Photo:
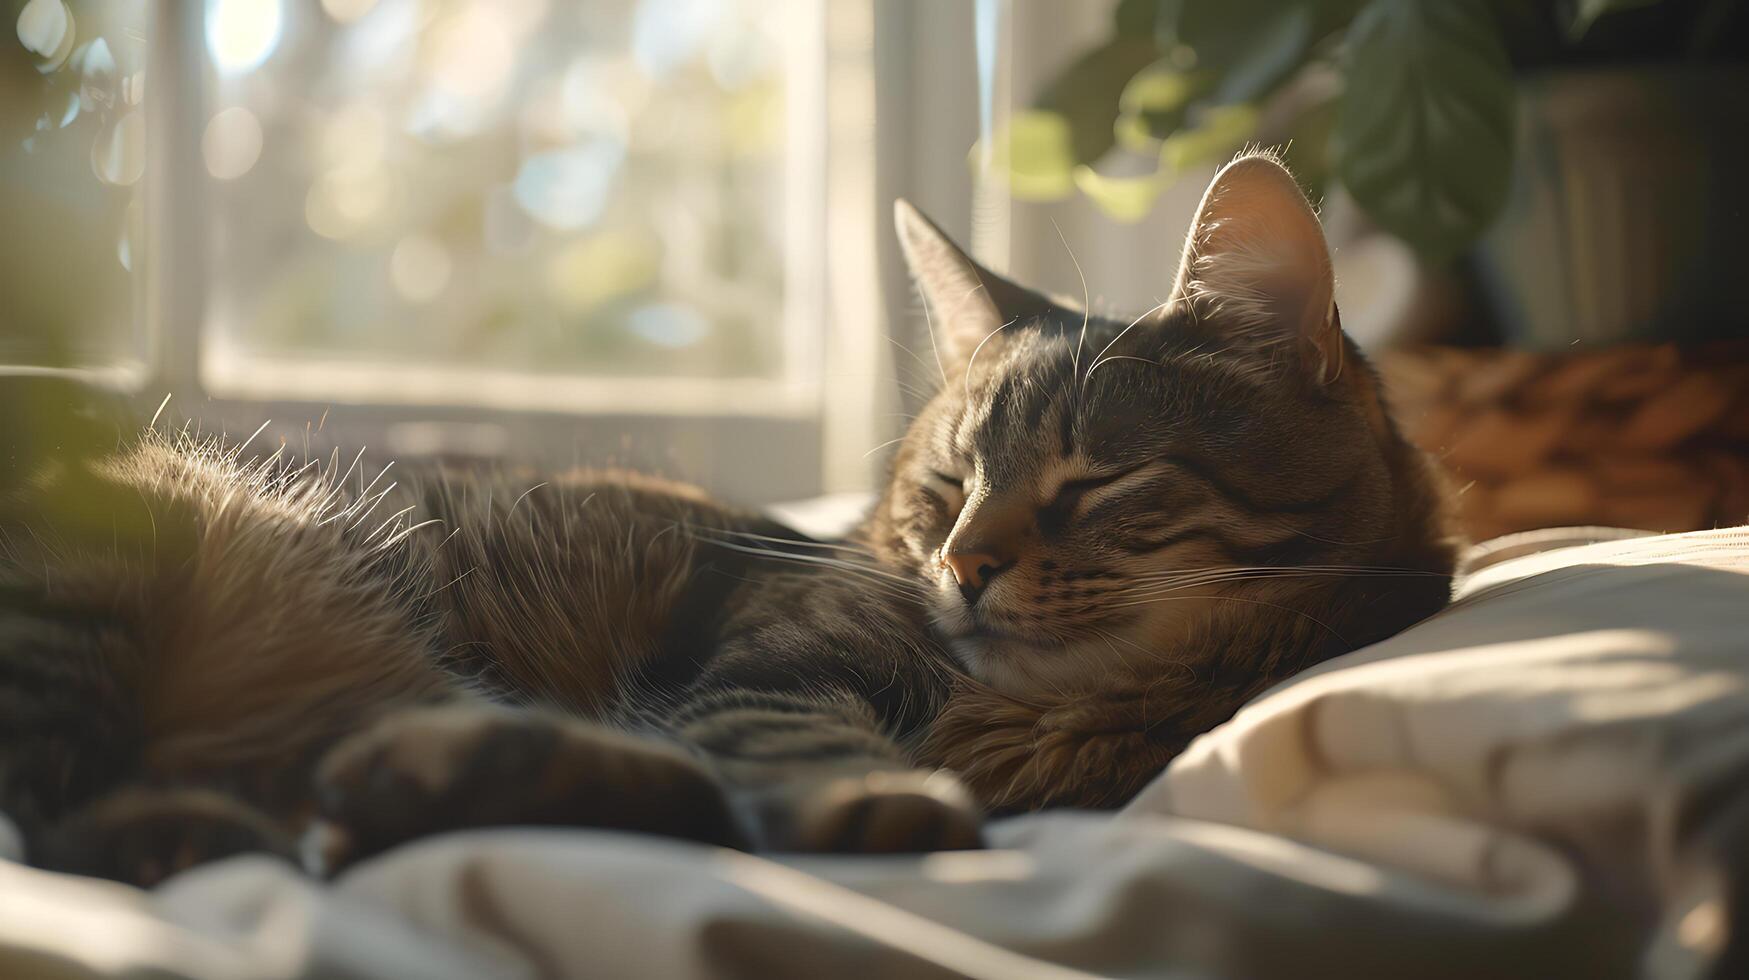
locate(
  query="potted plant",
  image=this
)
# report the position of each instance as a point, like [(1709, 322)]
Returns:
[(1579, 153)]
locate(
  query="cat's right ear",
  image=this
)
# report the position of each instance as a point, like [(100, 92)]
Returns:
[(1256, 269), (967, 303)]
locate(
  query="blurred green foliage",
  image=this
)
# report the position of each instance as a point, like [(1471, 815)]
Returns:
[(71, 242), (54, 429), (1415, 116)]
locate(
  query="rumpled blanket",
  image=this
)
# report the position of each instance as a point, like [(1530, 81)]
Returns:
[(1550, 778)]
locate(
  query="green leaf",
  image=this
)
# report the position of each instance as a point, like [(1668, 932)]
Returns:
[(1271, 48), (1159, 88), (1334, 14), (1073, 122), (1307, 152), (1250, 44), (1125, 199), (1140, 133), (1086, 94), (1036, 153), (1589, 11), (1152, 104), (1134, 18), (1220, 131), (1423, 137)]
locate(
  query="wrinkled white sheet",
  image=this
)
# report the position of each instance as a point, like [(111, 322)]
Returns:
[(1536, 782)]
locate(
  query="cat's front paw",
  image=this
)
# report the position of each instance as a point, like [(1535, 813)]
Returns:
[(879, 813), (142, 836), (430, 770), (1091, 751)]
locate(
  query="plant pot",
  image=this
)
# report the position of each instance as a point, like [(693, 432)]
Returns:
[(1628, 218)]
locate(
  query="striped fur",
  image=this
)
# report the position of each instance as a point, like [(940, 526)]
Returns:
[(202, 649)]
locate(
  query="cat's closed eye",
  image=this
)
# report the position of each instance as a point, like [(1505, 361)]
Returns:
[(1071, 493), (950, 489)]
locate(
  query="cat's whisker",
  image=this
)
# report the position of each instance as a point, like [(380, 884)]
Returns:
[(967, 377), (871, 575), (1209, 581), (1100, 357), (1334, 569), (1141, 592), (934, 345), (913, 354), (795, 542), (1123, 357), (1086, 304), (915, 392), (889, 442), (1258, 602)]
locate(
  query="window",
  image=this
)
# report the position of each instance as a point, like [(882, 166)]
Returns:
[(608, 229), (72, 85), (501, 197)]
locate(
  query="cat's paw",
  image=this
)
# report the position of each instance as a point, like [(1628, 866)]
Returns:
[(881, 813), (142, 836), (1094, 751), (430, 770)]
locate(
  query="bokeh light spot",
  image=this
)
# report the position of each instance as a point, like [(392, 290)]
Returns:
[(71, 112), (345, 202), (347, 11), (241, 34), (592, 270), (467, 66), (419, 268), (45, 28), (567, 189), (232, 143), (118, 156), (97, 82), (668, 33), (505, 227), (355, 138), (133, 232), (668, 324)]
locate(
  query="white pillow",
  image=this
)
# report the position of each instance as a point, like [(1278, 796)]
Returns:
[(1537, 739)]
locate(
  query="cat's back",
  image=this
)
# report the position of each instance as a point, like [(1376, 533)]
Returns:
[(226, 610)]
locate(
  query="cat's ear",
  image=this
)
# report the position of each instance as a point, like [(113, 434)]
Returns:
[(1256, 268), (967, 302)]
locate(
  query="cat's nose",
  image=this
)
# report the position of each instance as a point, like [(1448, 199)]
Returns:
[(973, 570)]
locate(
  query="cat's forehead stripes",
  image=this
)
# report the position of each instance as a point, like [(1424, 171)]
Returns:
[(1023, 423)]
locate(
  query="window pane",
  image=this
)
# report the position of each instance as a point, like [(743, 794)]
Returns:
[(566, 188), (72, 158)]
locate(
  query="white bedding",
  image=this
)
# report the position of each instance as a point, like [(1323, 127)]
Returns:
[(1533, 783)]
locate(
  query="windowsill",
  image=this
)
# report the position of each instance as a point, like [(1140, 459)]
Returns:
[(377, 383)]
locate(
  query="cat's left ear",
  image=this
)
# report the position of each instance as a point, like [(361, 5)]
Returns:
[(1256, 269), (968, 304)]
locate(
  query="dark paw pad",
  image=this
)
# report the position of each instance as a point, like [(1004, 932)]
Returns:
[(432, 770), (887, 813), (141, 837)]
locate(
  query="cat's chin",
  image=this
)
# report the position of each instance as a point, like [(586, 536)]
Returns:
[(985, 659), (1014, 661), (1013, 664)]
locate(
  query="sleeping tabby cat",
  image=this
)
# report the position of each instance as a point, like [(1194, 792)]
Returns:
[(1099, 538)]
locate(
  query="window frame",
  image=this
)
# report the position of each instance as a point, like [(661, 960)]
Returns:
[(750, 440)]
